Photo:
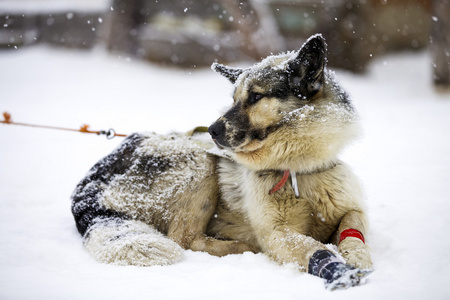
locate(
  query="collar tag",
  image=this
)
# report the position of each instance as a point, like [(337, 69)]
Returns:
[(294, 184)]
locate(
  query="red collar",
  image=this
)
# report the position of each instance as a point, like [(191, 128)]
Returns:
[(280, 183), (283, 180)]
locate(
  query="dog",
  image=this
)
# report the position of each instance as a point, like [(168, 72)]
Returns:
[(156, 195)]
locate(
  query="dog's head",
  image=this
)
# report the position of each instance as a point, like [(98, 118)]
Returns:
[(288, 113)]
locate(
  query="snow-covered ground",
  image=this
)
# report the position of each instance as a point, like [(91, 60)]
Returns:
[(403, 160)]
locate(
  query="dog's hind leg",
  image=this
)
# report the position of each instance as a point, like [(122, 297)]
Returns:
[(351, 243), (188, 230), (193, 211), (220, 247)]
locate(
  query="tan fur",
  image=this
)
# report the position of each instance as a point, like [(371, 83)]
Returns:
[(312, 137), (289, 230), (262, 114), (307, 140)]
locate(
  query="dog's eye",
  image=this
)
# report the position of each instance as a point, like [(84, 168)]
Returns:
[(254, 97)]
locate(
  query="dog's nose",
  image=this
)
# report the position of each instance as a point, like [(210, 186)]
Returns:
[(216, 129)]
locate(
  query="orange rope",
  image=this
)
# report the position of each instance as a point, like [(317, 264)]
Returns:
[(84, 129)]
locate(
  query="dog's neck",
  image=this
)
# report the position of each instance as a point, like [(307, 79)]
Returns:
[(314, 170), (293, 175)]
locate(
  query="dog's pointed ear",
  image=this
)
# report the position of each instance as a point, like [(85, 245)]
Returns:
[(231, 73), (306, 71)]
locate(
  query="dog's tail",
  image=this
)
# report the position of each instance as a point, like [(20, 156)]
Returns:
[(111, 236)]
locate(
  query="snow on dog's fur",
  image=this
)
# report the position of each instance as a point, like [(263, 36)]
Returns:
[(158, 194)]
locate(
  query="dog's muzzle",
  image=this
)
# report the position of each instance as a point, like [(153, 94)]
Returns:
[(217, 132)]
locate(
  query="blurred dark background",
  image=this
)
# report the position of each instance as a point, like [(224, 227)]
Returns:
[(195, 33)]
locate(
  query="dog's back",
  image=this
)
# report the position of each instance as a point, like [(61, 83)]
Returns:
[(129, 199)]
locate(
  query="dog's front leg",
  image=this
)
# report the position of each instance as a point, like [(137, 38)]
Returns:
[(351, 240), (289, 246), (285, 245)]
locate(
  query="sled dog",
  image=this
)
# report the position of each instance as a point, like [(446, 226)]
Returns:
[(266, 179)]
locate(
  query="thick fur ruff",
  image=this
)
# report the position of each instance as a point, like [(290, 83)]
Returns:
[(158, 194)]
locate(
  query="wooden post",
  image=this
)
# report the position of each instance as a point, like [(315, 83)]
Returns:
[(257, 26), (440, 43), (125, 18)]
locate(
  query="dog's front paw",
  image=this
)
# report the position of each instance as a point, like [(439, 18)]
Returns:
[(346, 276), (132, 243), (337, 274), (355, 253)]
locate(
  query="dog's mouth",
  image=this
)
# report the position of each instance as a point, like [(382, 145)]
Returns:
[(218, 144), (224, 147), (248, 146), (238, 140)]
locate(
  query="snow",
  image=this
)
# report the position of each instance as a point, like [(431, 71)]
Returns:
[(403, 160)]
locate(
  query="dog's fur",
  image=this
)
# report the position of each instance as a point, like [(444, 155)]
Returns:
[(158, 194)]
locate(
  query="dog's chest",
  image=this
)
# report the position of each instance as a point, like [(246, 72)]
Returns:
[(247, 192), (280, 208), (316, 212)]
